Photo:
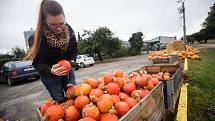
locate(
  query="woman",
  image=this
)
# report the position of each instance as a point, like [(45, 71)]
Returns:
[(54, 40)]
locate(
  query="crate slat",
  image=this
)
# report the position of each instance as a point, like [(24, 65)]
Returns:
[(171, 60), (172, 87), (150, 108)]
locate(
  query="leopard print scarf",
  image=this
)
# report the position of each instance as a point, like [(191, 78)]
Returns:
[(60, 40)]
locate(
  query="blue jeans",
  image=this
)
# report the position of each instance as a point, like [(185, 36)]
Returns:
[(57, 85)]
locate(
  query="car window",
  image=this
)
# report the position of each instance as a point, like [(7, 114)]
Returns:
[(6, 66), (23, 63), (78, 57), (84, 56)]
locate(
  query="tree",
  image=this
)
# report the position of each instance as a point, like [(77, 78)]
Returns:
[(136, 42), (99, 42), (100, 38), (210, 20), (112, 46), (208, 30), (18, 52), (85, 46), (7, 55)]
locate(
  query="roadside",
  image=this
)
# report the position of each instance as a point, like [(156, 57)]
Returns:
[(201, 88)]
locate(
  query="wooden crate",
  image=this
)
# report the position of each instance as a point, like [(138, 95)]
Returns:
[(172, 87), (150, 108), (171, 60)]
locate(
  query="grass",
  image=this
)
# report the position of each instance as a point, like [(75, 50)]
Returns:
[(201, 89), (211, 41)]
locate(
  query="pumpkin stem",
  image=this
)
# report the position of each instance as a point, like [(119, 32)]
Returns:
[(112, 110), (137, 96), (69, 85)]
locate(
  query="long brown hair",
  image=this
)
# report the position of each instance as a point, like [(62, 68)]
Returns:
[(47, 7)]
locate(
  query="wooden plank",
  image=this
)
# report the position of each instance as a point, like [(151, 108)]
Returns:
[(151, 107), (172, 86)]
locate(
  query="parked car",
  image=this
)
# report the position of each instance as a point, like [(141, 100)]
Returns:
[(17, 71), (84, 60)]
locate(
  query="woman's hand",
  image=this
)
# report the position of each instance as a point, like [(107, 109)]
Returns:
[(58, 70)]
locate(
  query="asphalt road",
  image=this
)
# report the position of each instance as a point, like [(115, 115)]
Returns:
[(19, 102)]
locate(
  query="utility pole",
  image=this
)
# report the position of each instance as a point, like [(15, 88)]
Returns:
[(182, 11)]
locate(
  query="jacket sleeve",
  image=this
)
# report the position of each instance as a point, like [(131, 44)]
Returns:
[(40, 62), (74, 47)]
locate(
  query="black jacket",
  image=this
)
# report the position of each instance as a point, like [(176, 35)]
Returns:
[(48, 55)]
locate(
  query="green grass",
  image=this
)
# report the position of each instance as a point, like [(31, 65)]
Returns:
[(211, 41), (201, 89)]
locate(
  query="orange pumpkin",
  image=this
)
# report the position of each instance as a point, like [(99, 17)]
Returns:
[(108, 78), (82, 89), (115, 98), (118, 73), (113, 88), (120, 81), (92, 82), (122, 108), (155, 81), (105, 103), (81, 101), (66, 64), (129, 87), (87, 119), (54, 113), (46, 105), (92, 111), (150, 85), (123, 96), (72, 114), (109, 117), (95, 93), (131, 101), (70, 92)]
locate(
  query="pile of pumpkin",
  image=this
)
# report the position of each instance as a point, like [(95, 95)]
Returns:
[(190, 53), (162, 54), (105, 99)]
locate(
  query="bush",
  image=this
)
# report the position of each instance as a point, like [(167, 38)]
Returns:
[(122, 52), (132, 52)]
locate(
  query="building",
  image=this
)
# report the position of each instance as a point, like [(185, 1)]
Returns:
[(162, 39), (27, 35), (160, 42)]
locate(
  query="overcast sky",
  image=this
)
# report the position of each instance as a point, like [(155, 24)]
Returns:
[(123, 17)]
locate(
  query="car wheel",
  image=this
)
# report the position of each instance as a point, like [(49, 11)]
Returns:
[(82, 65), (91, 64), (9, 81)]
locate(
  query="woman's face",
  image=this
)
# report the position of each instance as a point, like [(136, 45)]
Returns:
[(56, 23)]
